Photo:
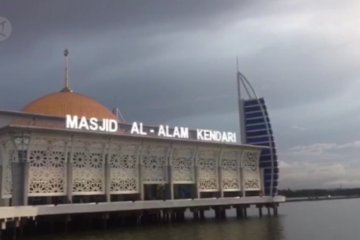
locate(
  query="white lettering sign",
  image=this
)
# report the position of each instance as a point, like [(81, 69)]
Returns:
[(176, 132), (137, 129), (111, 125), (217, 136), (183, 133), (93, 124)]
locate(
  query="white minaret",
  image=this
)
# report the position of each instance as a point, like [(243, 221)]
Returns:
[(240, 105)]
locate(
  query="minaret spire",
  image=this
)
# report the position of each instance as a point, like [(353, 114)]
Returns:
[(67, 87)]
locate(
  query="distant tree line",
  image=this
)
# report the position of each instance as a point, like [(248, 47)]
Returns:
[(314, 193)]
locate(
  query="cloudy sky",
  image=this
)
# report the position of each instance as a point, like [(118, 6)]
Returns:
[(173, 62)]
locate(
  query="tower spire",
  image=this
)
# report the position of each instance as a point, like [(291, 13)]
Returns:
[(67, 87)]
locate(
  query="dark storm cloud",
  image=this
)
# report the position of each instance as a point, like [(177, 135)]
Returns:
[(116, 34), (40, 19), (174, 62)]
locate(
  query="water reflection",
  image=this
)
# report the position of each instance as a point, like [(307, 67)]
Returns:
[(275, 228), (253, 228), (301, 220)]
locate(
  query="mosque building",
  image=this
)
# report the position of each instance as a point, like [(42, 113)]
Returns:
[(67, 148)]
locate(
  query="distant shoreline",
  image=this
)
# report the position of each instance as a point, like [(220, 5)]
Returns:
[(320, 198)]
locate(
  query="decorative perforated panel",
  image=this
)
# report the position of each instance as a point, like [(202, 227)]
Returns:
[(230, 173), (124, 170), (47, 166), (182, 164), (88, 167), (154, 163), (250, 163), (207, 165)]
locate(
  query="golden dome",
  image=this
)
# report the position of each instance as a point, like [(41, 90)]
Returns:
[(66, 102)]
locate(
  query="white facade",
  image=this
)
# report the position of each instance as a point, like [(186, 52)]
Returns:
[(44, 162)]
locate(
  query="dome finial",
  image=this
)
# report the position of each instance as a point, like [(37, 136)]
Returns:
[(67, 87)]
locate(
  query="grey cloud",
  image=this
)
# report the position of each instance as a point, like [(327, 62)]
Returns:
[(174, 62)]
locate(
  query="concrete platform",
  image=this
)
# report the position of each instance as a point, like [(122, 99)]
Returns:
[(11, 213)]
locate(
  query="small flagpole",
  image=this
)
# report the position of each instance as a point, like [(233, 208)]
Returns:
[(66, 80)]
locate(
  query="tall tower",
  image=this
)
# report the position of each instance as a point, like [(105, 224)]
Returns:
[(255, 129)]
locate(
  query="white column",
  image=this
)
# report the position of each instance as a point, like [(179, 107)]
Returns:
[(239, 172), (242, 179), (26, 168), (17, 184), (170, 175), (69, 169), (20, 170), (196, 156), (262, 187), (243, 191), (220, 172), (140, 180), (107, 179)]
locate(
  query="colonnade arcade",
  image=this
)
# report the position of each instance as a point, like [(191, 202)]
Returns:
[(39, 164)]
